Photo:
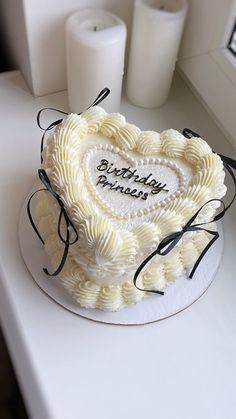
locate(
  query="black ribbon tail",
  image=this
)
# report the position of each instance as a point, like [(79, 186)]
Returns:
[(101, 96), (188, 133), (205, 250), (227, 161), (63, 259), (140, 268), (30, 214), (49, 128), (63, 215)]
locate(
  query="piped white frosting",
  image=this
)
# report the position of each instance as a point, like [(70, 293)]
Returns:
[(99, 270)]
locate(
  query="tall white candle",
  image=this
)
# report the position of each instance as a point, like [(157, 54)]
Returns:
[(156, 34), (95, 47)]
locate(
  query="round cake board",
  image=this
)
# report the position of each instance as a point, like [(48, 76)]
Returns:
[(177, 297)]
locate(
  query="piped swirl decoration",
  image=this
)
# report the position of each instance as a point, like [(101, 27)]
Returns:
[(101, 265)]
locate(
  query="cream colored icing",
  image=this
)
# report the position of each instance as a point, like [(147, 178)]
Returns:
[(127, 136), (195, 149), (155, 279), (100, 266), (173, 143), (168, 221), (130, 294), (149, 143), (114, 297), (82, 209), (210, 161), (148, 236), (108, 246), (87, 294), (76, 123), (112, 124), (94, 117)]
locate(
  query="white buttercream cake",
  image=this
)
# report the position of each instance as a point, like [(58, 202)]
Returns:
[(124, 190)]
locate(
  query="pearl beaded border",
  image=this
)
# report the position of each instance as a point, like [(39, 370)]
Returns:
[(135, 163)]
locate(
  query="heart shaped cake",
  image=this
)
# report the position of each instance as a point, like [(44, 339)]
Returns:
[(124, 191)]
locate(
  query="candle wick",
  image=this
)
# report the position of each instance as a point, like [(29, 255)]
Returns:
[(95, 28)]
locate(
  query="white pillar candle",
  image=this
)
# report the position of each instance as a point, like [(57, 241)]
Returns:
[(156, 34), (95, 47)]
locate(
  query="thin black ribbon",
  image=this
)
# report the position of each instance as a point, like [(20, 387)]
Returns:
[(169, 242), (48, 188), (63, 215), (49, 128), (101, 96)]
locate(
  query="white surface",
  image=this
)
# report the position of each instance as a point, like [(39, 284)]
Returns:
[(68, 367), (177, 297), (94, 58), (155, 41)]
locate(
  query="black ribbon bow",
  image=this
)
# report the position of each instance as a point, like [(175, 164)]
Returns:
[(48, 188), (63, 215), (169, 242), (101, 96)]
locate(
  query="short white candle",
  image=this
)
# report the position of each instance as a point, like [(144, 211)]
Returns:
[(156, 34), (95, 46)]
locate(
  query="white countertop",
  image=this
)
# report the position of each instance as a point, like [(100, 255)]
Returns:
[(69, 367)]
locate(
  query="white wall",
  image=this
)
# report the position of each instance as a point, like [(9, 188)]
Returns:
[(36, 40), (13, 31), (206, 63), (205, 26), (35, 34)]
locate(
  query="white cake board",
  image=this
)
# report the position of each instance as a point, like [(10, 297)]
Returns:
[(178, 296)]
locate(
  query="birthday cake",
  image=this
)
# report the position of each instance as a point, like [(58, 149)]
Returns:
[(124, 190)]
